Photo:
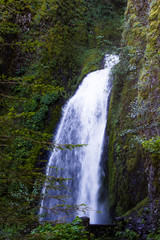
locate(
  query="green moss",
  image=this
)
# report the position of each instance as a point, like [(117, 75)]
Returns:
[(141, 87), (130, 7), (137, 25), (129, 116), (155, 235), (138, 208), (153, 3), (131, 164), (154, 12), (91, 61), (153, 25)]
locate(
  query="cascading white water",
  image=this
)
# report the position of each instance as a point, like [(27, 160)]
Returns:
[(83, 122)]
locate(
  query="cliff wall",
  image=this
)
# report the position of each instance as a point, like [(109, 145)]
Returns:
[(133, 124)]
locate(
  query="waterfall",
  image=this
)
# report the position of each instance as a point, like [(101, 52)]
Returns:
[(83, 121)]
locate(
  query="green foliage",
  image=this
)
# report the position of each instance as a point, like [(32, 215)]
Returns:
[(66, 231), (155, 235), (153, 146), (139, 208), (45, 46), (49, 98), (128, 234), (62, 37), (107, 22), (40, 105), (133, 123)]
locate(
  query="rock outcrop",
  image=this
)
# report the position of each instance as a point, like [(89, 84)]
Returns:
[(134, 143)]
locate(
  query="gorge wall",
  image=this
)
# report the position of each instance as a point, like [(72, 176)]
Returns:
[(134, 143)]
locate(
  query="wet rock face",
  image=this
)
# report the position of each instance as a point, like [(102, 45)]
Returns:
[(153, 191), (135, 110), (144, 35), (151, 188)]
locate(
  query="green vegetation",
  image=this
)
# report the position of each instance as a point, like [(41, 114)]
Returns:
[(46, 48), (128, 234), (66, 231), (138, 208), (133, 124), (154, 236)]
